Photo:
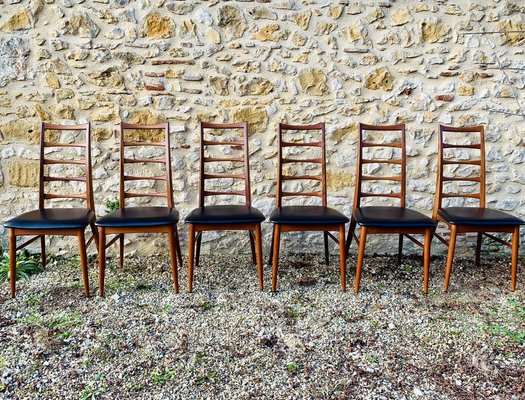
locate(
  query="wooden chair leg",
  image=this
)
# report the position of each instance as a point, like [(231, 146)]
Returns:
[(258, 245), (450, 256), (515, 247), (191, 250), (12, 261), (83, 260), (270, 258), (326, 251), (173, 256), (252, 246), (478, 249), (43, 250), (101, 259), (360, 256), (275, 261), (351, 230), (400, 249), (121, 250), (95, 233), (198, 255), (177, 243), (429, 233), (342, 256)]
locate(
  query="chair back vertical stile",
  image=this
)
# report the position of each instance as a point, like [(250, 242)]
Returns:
[(386, 219), (224, 217), (470, 218), (142, 219), (305, 218), (55, 220)]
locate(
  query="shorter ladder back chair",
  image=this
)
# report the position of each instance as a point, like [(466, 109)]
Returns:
[(470, 219), (386, 219), (58, 221), (141, 219), (307, 217), (224, 217)]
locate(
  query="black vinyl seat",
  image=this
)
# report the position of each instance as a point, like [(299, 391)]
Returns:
[(311, 215), (139, 217), (225, 214), (477, 216), (392, 217), (52, 218)]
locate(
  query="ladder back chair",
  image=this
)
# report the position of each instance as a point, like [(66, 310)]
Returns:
[(469, 219), (141, 219), (58, 221), (386, 219), (306, 217), (224, 217)]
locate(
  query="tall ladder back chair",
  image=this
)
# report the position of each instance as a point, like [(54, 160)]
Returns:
[(386, 219), (224, 217), (57, 221), (467, 219), (141, 219), (307, 217)]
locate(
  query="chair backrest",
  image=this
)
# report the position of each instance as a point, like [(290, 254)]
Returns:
[(366, 141), (84, 163), (206, 159), (464, 143), (285, 159), (163, 160)]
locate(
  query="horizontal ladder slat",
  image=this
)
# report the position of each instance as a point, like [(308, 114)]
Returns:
[(223, 176), (462, 162), (461, 146), (129, 194), (381, 178), (144, 160), (301, 144), (393, 195), (382, 161), (295, 177), (470, 195), (214, 193), (225, 143), (319, 194), (302, 160), (58, 144), (66, 162), (143, 178), (370, 144), (64, 179), (232, 159), (450, 178), (158, 144), (64, 196), (55, 127)]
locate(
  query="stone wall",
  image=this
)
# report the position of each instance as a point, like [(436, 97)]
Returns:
[(342, 62)]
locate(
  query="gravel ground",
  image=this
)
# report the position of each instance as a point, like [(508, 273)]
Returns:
[(228, 340)]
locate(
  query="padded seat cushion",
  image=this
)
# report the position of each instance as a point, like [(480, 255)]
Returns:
[(139, 217), (225, 214), (52, 218), (307, 215), (478, 216), (392, 217)]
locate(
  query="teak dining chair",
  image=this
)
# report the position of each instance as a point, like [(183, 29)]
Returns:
[(224, 217), (142, 219), (386, 219), (308, 217), (466, 219), (57, 221)]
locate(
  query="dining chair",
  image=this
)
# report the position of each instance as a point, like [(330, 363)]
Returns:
[(220, 217), (54, 220), (293, 218), (385, 219), (469, 219), (141, 219)]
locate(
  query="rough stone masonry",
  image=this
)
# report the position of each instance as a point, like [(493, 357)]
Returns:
[(341, 62)]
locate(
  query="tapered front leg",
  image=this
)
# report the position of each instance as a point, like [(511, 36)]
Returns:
[(450, 256), (101, 260), (342, 256), (191, 250), (12, 261), (275, 261)]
